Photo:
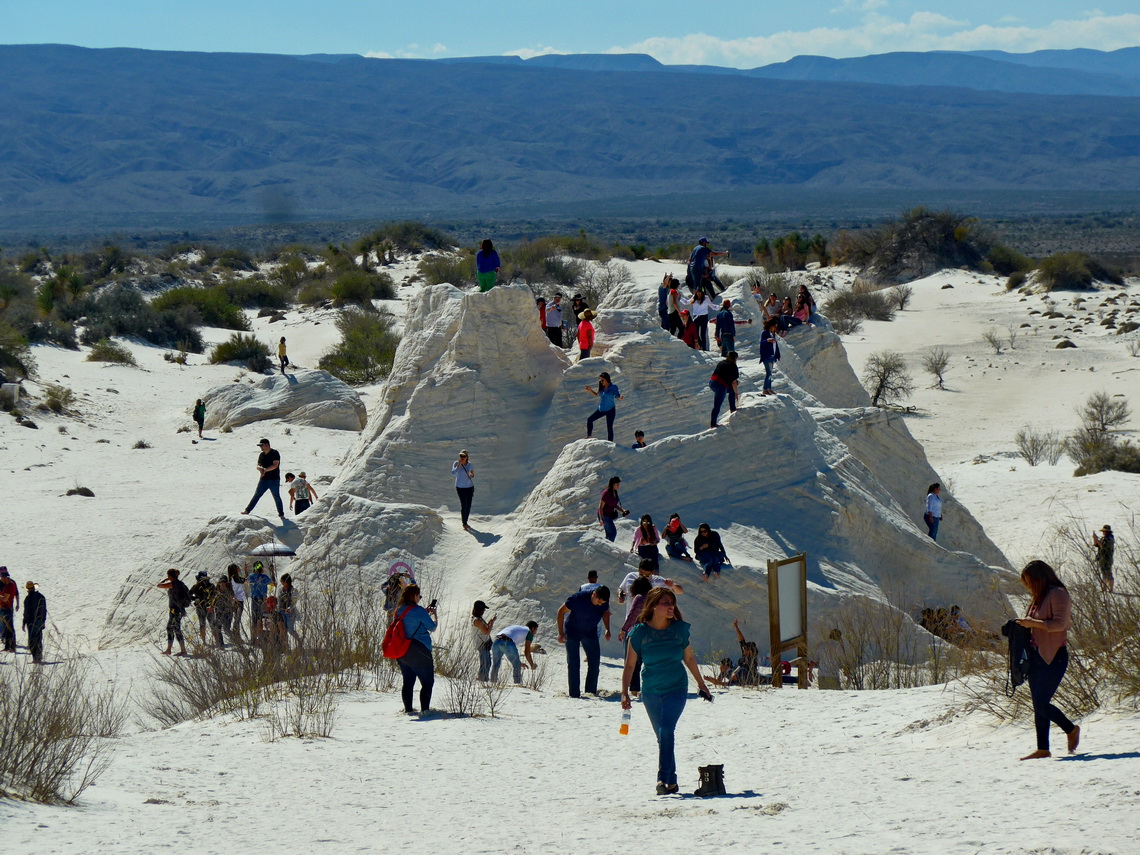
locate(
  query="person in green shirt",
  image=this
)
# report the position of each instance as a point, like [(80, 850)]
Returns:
[(660, 640)]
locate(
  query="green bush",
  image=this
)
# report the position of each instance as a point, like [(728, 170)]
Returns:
[(121, 311), (314, 293), (58, 398), (407, 236), (452, 269), (1007, 261), (245, 349), (1074, 271), (922, 242), (849, 306), (235, 259), (106, 350), (15, 355), (366, 349), (212, 305), (362, 288), (1015, 280), (256, 293), (1095, 451)]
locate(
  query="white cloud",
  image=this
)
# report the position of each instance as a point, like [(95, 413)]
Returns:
[(923, 31), (437, 48), (530, 53)]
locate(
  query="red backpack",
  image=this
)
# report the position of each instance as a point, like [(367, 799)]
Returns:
[(396, 641)]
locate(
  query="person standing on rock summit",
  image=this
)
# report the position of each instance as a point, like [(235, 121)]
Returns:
[(269, 465), (464, 485), (608, 395), (487, 264)]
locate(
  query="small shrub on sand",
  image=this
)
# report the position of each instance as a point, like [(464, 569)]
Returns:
[(247, 350), (366, 349), (58, 398), (106, 350), (886, 378)]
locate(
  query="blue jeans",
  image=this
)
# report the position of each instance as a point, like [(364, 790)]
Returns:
[(664, 315), (664, 713), (719, 390), (505, 647), (769, 366), (593, 649), (610, 527), (609, 414), (1043, 682), (484, 662), (680, 551), (932, 527), (274, 487), (727, 344)]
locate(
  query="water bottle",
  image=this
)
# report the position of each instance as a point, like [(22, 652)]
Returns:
[(624, 729)]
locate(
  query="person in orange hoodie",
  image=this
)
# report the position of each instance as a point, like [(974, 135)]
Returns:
[(586, 334)]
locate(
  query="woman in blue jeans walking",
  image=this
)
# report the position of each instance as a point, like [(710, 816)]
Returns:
[(769, 352), (607, 395), (1049, 616), (660, 641)]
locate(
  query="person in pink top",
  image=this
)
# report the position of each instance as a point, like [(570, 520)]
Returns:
[(585, 334), (1049, 616)]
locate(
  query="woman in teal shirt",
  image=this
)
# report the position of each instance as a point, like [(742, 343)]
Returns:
[(660, 640)]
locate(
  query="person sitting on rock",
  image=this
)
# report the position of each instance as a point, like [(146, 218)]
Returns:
[(675, 544)]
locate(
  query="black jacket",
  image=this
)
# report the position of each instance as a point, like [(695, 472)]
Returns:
[(35, 611)]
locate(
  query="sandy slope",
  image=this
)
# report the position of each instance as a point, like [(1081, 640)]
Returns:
[(810, 771)]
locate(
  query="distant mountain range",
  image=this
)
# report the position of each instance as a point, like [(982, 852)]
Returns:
[(126, 136)]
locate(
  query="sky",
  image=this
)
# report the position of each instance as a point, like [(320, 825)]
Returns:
[(738, 33)]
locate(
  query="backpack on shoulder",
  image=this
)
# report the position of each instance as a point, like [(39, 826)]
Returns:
[(182, 598), (396, 642)]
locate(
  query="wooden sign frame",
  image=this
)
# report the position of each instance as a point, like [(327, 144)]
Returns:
[(799, 642)]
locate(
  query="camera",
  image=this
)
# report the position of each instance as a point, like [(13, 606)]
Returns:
[(433, 604)]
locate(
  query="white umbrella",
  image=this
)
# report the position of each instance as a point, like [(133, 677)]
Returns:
[(277, 549)]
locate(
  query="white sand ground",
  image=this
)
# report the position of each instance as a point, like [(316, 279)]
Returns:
[(808, 771)]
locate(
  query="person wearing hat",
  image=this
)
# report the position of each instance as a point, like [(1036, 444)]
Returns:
[(202, 594), (482, 628), (585, 334), (700, 267), (9, 605), (1105, 546), (178, 598), (464, 485), (725, 332), (269, 466), (35, 619)]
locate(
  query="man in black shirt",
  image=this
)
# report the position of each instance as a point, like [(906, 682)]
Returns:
[(723, 382), (269, 465), (35, 619)]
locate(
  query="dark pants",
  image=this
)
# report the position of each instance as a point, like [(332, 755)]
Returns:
[(301, 505), (273, 486), (609, 414), (719, 390), (555, 335), (284, 362), (664, 315), (36, 641), (174, 626), (583, 354), (465, 496), (702, 322), (1043, 682), (593, 649), (220, 620), (417, 662), (8, 629), (650, 551), (676, 327)]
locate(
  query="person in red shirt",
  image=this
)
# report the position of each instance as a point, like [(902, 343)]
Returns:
[(9, 605), (585, 334), (690, 335)]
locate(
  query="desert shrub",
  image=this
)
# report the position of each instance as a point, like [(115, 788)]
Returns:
[(121, 311), (212, 305), (601, 279), (1074, 271), (1008, 261), (859, 304), (1036, 446), (58, 398), (779, 284), (362, 288), (543, 262), (366, 349), (313, 293), (792, 251), (305, 706), (457, 270), (886, 378), (57, 726), (52, 331), (1015, 280), (234, 259), (106, 350), (918, 244), (900, 295), (253, 292), (1102, 454), (1102, 412), (994, 339), (141, 445), (247, 350), (15, 355), (290, 273), (407, 236), (844, 325), (935, 362)]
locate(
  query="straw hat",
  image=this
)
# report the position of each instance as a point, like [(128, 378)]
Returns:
[(587, 315)]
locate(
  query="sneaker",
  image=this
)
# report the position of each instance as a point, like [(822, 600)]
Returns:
[(661, 789)]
